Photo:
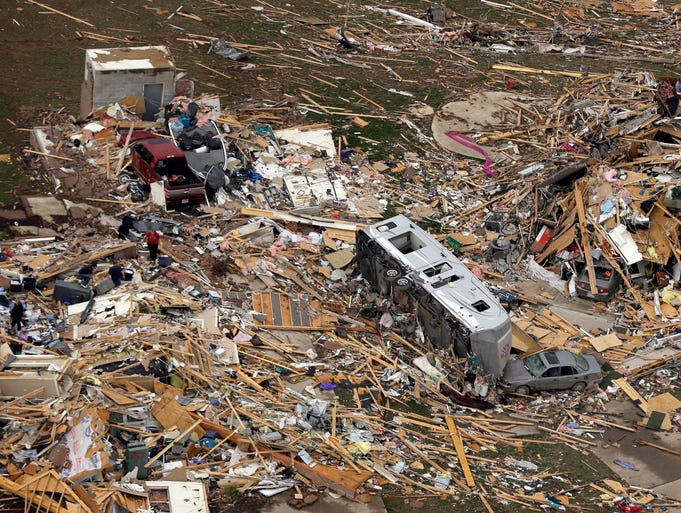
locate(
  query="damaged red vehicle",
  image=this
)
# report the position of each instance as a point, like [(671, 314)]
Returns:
[(156, 159)]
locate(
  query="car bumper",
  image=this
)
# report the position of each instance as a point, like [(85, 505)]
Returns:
[(586, 294)]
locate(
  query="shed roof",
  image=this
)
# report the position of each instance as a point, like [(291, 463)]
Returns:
[(138, 58)]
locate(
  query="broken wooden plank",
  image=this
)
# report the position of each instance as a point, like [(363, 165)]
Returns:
[(278, 215), (660, 447), (62, 13), (632, 393), (586, 244), (460, 451)]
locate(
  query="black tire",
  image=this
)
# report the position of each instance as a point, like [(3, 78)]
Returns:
[(124, 178), (403, 283), (580, 386), (523, 390), (391, 274)]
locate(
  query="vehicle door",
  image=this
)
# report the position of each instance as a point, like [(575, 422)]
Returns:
[(137, 161), (549, 379), (569, 375), (144, 163)]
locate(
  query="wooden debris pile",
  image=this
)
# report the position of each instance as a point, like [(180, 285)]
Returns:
[(266, 390), (253, 359)]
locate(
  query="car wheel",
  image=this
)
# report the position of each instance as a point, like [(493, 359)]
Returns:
[(403, 283), (391, 273), (124, 178), (523, 390), (579, 387)]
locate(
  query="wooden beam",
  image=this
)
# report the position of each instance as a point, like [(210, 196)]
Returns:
[(660, 447), (523, 69), (47, 155), (568, 437), (88, 257), (71, 502), (52, 9), (632, 393), (579, 201), (460, 451), (121, 158), (277, 215)]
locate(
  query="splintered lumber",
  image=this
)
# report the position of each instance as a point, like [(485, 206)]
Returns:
[(15, 340), (660, 447), (552, 319), (487, 505), (29, 395), (343, 482), (43, 154), (345, 455), (603, 490), (213, 70), (170, 413), (121, 157), (277, 215), (586, 245), (83, 259), (602, 422), (34, 491), (632, 393), (460, 451), (577, 74), (52, 9), (571, 438)]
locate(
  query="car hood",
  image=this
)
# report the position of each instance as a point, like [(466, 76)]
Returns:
[(515, 372)]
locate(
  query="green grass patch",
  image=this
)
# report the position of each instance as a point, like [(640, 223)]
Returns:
[(10, 178)]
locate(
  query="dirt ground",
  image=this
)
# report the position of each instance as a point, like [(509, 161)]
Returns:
[(294, 58)]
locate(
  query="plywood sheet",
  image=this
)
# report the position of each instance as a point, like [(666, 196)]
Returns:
[(654, 242), (282, 310), (664, 402), (340, 259), (171, 415), (523, 341), (604, 342)]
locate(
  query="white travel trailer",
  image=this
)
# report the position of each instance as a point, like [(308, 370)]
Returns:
[(453, 307)]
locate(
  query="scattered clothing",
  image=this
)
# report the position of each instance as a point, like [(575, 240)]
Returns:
[(626, 464)]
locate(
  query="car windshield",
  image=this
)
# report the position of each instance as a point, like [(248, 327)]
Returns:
[(581, 362), (535, 365)]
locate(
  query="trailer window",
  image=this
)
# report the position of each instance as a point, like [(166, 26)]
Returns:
[(438, 269), (407, 242), (480, 306), (450, 279)]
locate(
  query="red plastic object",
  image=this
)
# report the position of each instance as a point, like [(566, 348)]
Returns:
[(627, 508)]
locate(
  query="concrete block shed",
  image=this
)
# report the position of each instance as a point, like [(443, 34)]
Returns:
[(114, 74)]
